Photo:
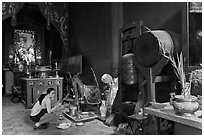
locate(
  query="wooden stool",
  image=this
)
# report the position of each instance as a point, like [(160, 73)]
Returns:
[(137, 123)]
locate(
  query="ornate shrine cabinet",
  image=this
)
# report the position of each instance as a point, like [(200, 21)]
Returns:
[(33, 87)]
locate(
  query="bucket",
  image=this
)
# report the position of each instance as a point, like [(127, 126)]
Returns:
[(149, 46)]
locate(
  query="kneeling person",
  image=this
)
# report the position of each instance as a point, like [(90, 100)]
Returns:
[(41, 113)]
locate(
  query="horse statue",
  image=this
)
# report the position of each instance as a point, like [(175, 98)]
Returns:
[(88, 93)]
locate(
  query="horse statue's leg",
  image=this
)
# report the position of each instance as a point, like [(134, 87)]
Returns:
[(74, 84), (80, 86)]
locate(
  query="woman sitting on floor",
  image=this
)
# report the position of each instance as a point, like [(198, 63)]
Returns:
[(41, 113)]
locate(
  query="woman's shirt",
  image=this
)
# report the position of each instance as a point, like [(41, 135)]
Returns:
[(37, 107)]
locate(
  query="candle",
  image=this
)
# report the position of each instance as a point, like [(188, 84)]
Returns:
[(56, 65)]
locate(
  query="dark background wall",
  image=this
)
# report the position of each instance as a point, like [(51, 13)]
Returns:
[(156, 15), (90, 33), (90, 27)]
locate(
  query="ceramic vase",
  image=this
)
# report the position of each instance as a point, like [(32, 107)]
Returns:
[(184, 105), (103, 108)]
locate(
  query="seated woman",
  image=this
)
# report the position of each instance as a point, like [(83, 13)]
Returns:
[(41, 113)]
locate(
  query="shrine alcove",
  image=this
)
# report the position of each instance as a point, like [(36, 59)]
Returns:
[(30, 18)]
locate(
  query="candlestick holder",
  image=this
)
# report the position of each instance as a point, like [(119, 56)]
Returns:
[(56, 75), (56, 72)]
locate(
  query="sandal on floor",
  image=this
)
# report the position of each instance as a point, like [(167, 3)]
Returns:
[(45, 125), (36, 127), (42, 126)]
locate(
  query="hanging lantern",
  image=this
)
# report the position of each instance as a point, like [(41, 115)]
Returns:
[(13, 11), (48, 20), (13, 19)]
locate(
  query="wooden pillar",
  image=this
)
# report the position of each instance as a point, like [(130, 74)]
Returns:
[(116, 25), (185, 33), (66, 53), (150, 86)]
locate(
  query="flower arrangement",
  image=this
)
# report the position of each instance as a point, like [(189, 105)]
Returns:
[(196, 77), (179, 71), (184, 104)]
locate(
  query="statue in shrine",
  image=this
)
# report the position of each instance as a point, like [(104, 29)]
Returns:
[(26, 51), (22, 52)]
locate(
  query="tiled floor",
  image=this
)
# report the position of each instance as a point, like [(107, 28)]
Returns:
[(16, 121)]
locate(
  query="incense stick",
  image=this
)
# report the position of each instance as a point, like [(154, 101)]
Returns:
[(64, 98)]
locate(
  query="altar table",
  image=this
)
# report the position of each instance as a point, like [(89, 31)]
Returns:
[(32, 88), (184, 125)]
